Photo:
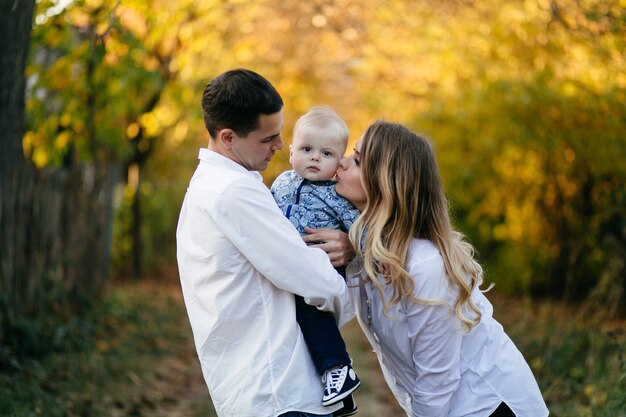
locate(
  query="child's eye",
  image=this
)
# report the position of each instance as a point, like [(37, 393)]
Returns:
[(306, 149), (357, 162), (328, 153)]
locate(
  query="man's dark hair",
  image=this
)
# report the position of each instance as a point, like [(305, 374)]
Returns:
[(235, 100)]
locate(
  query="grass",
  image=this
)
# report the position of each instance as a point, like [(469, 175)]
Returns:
[(577, 352), (134, 356), (115, 364)]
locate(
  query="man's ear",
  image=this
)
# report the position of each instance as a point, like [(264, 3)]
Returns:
[(226, 137)]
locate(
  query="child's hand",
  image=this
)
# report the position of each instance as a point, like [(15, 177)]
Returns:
[(335, 243)]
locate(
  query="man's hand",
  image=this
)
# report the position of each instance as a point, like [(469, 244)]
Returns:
[(335, 243)]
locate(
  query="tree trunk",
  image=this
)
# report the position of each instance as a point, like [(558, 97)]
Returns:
[(15, 27), (55, 223), (16, 175), (137, 226)]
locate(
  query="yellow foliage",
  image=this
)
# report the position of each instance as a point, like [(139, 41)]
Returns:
[(180, 131), (65, 120), (115, 50), (466, 69), (29, 142), (146, 188), (319, 20), (94, 4), (53, 40), (62, 140), (500, 232), (79, 126), (244, 53), (132, 20), (102, 27), (150, 123), (40, 157), (132, 130), (595, 396), (79, 17), (155, 121), (568, 187)]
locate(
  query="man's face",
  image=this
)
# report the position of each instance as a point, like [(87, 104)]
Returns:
[(255, 150)]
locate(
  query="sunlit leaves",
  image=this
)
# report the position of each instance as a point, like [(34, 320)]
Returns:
[(524, 100)]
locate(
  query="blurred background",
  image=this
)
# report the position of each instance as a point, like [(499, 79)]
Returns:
[(524, 100)]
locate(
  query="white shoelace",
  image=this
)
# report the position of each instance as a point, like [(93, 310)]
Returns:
[(336, 378)]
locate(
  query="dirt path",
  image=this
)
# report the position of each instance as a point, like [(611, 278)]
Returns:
[(180, 381), (373, 398), (178, 390), (184, 394)]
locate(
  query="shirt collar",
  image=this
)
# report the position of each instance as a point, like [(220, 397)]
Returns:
[(214, 158)]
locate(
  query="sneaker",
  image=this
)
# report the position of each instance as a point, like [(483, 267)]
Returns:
[(349, 407), (340, 382)]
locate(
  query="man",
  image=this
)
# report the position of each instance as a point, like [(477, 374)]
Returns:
[(240, 262)]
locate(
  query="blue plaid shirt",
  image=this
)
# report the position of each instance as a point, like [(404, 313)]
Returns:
[(313, 204)]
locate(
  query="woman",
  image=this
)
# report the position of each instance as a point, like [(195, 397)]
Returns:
[(415, 285)]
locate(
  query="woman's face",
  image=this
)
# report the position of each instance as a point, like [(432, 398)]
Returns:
[(349, 178)]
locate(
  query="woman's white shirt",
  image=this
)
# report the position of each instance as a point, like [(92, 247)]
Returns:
[(431, 363)]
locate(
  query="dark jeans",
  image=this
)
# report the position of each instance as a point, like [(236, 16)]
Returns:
[(503, 410), (322, 336)]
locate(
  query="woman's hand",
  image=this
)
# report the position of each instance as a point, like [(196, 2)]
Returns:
[(335, 243)]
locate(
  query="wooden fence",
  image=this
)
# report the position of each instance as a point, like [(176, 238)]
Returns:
[(55, 235)]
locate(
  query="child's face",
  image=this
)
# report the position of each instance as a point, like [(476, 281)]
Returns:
[(315, 153)]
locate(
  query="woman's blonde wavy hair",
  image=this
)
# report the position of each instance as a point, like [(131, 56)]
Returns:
[(406, 200)]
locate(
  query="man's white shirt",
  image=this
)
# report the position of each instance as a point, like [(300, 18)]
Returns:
[(240, 262)]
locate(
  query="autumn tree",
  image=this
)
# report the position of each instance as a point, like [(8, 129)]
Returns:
[(53, 220), (99, 73), (523, 101)]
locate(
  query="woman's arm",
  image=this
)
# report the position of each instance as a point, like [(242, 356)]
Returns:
[(436, 353), (435, 335), (335, 243)]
